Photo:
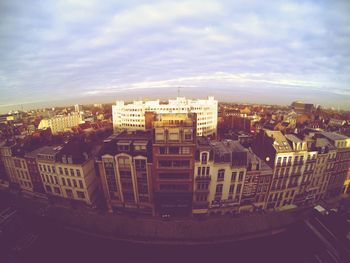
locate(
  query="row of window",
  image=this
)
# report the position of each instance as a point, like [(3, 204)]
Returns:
[(69, 192), (221, 175), (219, 187), (174, 150), (65, 182), (174, 163)]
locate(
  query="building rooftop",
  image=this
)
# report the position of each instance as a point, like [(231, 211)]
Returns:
[(334, 136), (49, 150), (280, 142), (293, 138)]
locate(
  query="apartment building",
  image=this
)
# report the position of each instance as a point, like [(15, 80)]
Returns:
[(61, 123), (324, 164), (173, 163), (292, 163), (132, 116), (68, 172), (220, 172), (256, 184), (341, 164), (126, 173), (6, 152)]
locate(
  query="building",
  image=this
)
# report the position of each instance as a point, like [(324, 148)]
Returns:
[(302, 108), (173, 163), (220, 172), (292, 164), (324, 164), (341, 164), (125, 168), (132, 116), (68, 173), (34, 174), (256, 184), (6, 152), (78, 107), (60, 123)]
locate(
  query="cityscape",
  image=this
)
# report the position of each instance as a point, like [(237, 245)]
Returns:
[(176, 159), (175, 131)]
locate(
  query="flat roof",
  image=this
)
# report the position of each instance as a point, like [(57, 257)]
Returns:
[(334, 136)]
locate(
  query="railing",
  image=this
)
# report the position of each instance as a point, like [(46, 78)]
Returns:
[(203, 178)]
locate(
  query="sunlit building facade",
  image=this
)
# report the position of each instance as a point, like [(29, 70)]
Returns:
[(132, 116)]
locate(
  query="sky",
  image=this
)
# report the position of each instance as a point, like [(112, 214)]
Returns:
[(55, 53)]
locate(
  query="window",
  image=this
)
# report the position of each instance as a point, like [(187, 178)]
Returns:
[(69, 183), (78, 172), (232, 187), (74, 183), (208, 170), (60, 170), (56, 180), (64, 181), (162, 150), (239, 187), (204, 158), (198, 171), (218, 190), (240, 176), (188, 136), (233, 176), (159, 136), (221, 174), (174, 150), (185, 150), (53, 169), (57, 190), (48, 188), (124, 162), (173, 136), (81, 184), (72, 172), (66, 171), (69, 193)]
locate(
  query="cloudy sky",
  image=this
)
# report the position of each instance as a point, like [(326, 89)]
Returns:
[(63, 52)]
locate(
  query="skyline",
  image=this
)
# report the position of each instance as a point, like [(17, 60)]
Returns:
[(246, 51)]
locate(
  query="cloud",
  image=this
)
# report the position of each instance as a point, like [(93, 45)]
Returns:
[(73, 49)]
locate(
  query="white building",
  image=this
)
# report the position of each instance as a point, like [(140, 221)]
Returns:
[(132, 116), (60, 123), (78, 107)]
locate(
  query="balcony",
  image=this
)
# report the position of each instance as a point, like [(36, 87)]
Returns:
[(203, 178), (202, 191)]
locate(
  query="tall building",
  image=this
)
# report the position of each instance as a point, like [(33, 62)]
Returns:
[(60, 123), (125, 168), (173, 163), (132, 116)]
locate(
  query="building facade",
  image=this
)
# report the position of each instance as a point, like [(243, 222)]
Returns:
[(125, 168), (61, 123), (132, 116), (173, 163), (220, 173)]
